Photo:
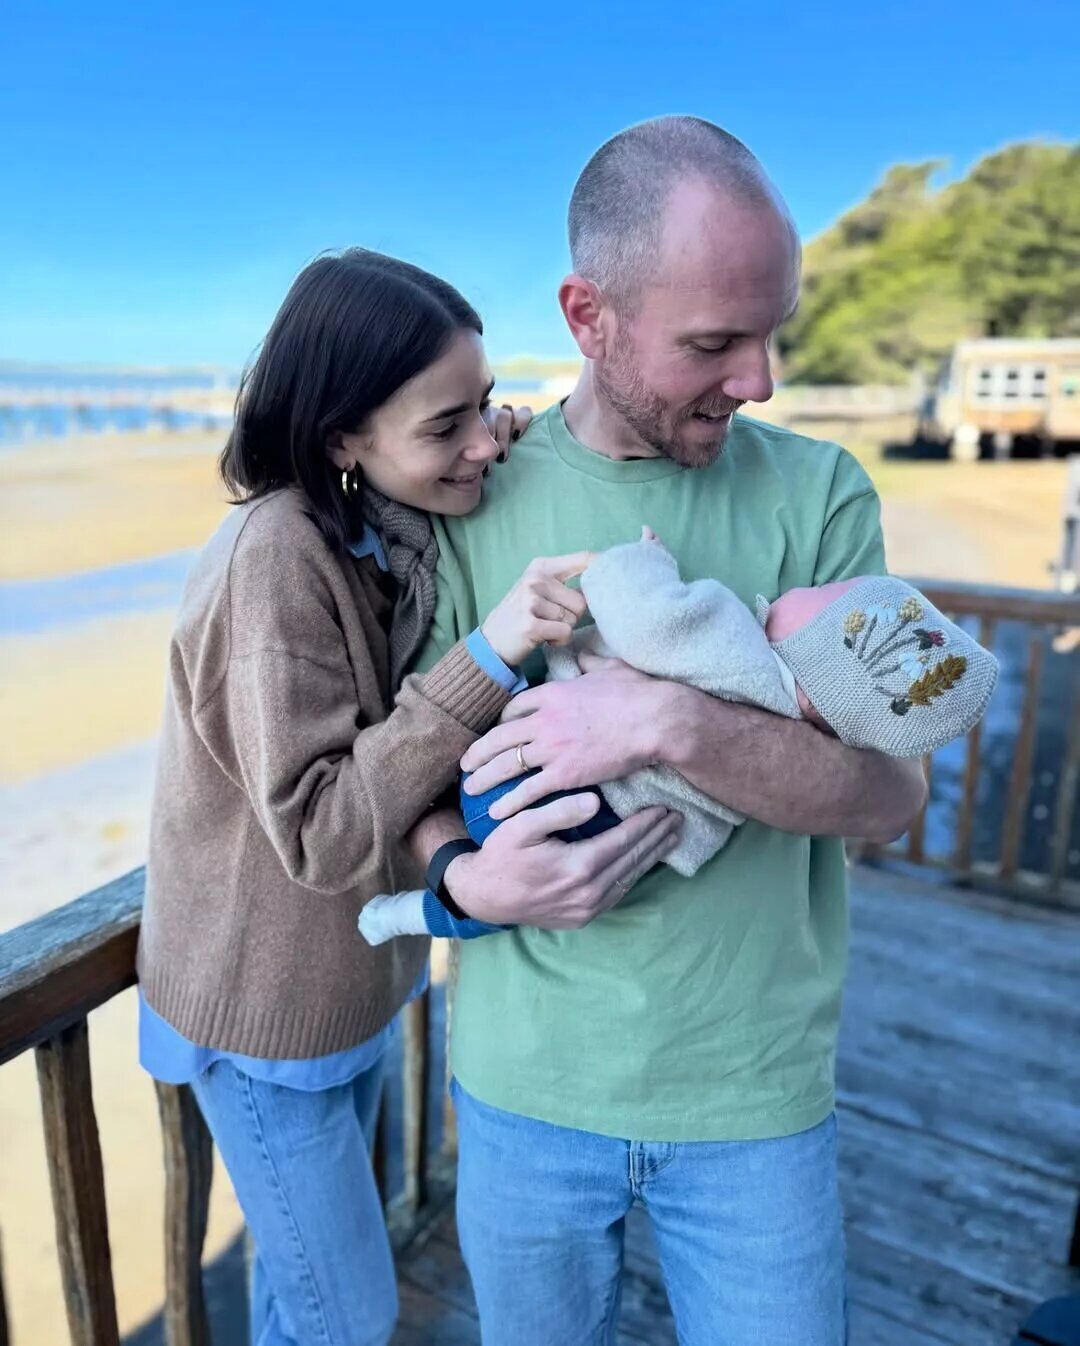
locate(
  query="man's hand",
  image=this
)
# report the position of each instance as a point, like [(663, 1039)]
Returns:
[(598, 727), (524, 876)]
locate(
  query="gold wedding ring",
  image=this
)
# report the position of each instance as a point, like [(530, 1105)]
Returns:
[(521, 759)]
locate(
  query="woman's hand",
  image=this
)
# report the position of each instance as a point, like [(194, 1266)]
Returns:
[(539, 607), (506, 425)]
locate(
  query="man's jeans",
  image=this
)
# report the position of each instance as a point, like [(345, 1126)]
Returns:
[(749, 1232), (300, 1165)]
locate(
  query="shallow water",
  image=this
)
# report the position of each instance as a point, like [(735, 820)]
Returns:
[(28, 607)]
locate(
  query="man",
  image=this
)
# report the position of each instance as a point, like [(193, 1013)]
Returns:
[(679, 1050)]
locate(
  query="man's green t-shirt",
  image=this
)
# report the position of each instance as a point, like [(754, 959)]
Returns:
[(700, 1008)]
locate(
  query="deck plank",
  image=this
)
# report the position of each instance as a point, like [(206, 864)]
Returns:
[(978, 1216), (925, 1296), (872, 1327), (426, 1319), (960, 1020)]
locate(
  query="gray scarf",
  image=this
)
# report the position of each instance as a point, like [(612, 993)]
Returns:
[(408, 541)]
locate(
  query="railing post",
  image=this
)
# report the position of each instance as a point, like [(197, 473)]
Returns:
[(189, 1167), (1066, 801), (449, 1117), (415, 1143), (972, 764), (78, 1187), (917, 830), (1012, 831)]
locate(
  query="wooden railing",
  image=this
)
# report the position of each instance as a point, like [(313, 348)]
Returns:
[(810, 401), (1050, 626), (53, 972)]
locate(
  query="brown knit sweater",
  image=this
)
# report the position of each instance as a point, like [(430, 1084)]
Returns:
[(285, 784)]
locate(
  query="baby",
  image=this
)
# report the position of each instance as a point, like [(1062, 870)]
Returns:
[(869, 660)]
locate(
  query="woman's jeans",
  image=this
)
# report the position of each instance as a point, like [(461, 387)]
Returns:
[(748, 1232), (300, 1165)]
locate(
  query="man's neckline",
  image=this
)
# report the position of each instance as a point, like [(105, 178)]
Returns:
[(579, 456)]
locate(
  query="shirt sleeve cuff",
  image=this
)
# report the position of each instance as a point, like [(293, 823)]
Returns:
[(508, 678)]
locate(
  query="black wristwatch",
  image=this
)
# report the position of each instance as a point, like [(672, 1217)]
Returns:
[(437, 867)]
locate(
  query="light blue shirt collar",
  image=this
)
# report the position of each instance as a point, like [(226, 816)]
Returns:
[(370, 545)]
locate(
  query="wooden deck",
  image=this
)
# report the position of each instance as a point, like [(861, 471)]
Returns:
[(959, 1082)]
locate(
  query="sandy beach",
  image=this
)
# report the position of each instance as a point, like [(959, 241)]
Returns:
[(81, 674)]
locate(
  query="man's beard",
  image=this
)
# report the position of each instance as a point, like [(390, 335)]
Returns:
[(620, 383)]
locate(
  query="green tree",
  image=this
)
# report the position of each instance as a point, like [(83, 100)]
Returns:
[(897, 280)]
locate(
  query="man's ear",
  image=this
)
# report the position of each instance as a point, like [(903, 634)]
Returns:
[(585, 312)]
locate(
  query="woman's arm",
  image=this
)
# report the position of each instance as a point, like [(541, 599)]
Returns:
[(333, 800)]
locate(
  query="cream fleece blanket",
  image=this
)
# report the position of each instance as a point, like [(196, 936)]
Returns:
[(696, 633)]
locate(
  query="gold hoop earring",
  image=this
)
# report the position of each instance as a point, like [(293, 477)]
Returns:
[(350, 483)]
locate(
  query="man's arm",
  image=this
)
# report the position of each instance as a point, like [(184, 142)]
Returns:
[(614, 720), (785, 773)]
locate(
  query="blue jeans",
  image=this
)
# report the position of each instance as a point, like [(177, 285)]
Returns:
[(301, 1168), (749, 1233)]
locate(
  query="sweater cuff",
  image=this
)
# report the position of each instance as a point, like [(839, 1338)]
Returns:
[(493, 665), (460, 687)]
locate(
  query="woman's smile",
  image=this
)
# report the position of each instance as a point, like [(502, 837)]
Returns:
[(466, 483)]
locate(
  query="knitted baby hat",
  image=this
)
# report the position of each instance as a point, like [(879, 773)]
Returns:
[(886, 670)]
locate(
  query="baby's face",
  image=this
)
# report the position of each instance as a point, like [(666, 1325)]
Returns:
[(792, 611)]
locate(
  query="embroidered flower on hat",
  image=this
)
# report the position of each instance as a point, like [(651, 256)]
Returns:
[(934, 682), (901, 648), (853, 624)]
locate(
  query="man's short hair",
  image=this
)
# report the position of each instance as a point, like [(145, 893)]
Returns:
[(617, 207)]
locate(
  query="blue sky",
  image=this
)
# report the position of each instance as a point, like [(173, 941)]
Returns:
[(167, 168)]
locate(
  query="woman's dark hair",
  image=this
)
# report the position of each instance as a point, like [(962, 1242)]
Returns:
[(353, 329)]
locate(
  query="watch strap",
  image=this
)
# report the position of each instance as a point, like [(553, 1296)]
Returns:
[(437, 867)]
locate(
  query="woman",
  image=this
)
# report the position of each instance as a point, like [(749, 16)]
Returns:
[(288, 777)]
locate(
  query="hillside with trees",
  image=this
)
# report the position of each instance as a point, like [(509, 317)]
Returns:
[(896, 281)]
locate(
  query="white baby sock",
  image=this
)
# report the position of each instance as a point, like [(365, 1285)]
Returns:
[(392, 914)]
